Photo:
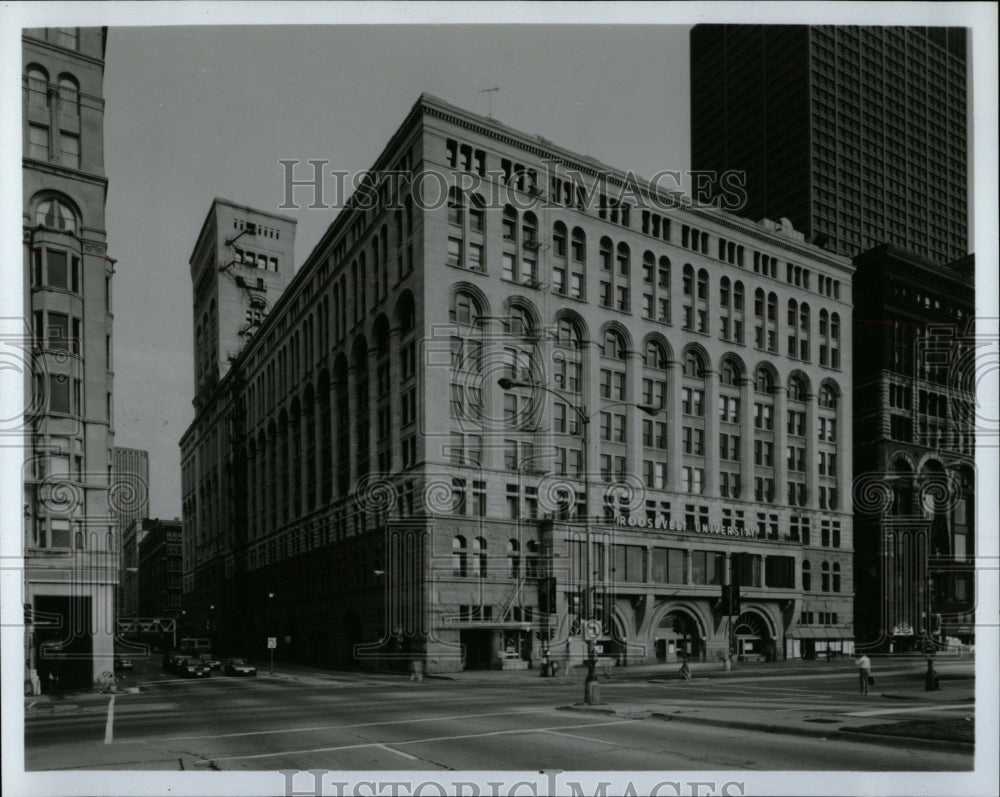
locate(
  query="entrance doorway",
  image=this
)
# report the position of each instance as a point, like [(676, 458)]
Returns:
[(677, 636), (65, 644), (476, 646), (752, 638)]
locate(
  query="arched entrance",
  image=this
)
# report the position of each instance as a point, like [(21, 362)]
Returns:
[(752, 638), (677, 635)]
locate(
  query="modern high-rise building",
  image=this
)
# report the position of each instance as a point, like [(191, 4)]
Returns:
[(914, 444), (857, 135), (506, 405), (71, 564), (131, 475)]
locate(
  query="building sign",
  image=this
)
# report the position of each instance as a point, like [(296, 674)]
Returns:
[(675, 525)]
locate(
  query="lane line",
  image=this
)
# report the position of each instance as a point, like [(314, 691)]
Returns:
[(360, 725), (586, 738), (419, 741), (397, 752), (109, 727), (880, 712)]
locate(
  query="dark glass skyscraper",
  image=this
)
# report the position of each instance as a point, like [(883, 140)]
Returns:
[(857, 135)]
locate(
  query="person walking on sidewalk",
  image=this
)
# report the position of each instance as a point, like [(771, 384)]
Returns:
[(864, 672), (686, 669)]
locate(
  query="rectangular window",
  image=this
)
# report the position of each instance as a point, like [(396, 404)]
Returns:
[(57, 269), (706, 567), (59, 393), (38, 142), (454, 252), (475, 257), (69, 145)]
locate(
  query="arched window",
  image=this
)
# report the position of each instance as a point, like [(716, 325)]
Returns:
[(835, 340), (567, 335), (479, 557), (38, 86), (806, 577), (465, 309), (614, 346), (559, 238), (56, 214), (796, 390), (729, 374), (459, 556), (827, 398), (836, 577), (531, 564), (656, 356), (69, 95), (518, 322), (764, 382), (693, 365), (514, 558)]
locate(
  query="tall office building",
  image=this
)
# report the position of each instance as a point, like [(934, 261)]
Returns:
[(858, 135), (71, 565), (131, 475), (158, 549), (914, 441), (364, 483)]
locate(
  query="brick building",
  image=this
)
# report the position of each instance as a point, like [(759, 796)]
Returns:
[(358, 484), (914, 446), (71, 565)]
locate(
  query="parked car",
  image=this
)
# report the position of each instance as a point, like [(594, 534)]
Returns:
[(210, 660), (194, 668), (239, 667), (171, 659)]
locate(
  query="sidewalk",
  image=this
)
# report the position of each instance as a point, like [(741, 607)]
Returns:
[(820, 723)]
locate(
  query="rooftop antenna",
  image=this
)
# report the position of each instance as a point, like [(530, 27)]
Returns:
[(489, 93)]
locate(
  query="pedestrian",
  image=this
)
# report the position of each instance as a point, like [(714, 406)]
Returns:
[(686, 669), (864, 673)]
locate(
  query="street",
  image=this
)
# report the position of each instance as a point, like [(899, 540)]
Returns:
[(356, 721)]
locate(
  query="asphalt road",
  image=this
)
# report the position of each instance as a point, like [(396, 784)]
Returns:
[(383, 722)]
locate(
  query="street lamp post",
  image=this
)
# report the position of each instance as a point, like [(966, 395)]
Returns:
[(270, 649), (590, 690)]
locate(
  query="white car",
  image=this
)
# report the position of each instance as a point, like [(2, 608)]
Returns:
[(239, 667)]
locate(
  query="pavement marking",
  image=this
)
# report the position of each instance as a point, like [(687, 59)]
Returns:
[(359, 725), (397, 752), (109, 728), (880, 712), (585, 738), (419, 741)]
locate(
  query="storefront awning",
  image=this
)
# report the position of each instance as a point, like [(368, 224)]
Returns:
[(819, 633)]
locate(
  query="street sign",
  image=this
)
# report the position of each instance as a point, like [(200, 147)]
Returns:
[(592, 630), (272, 642)]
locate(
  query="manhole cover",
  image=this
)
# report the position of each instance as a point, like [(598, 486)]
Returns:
[(821, 719)]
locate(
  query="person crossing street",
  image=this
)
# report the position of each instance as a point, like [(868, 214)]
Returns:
[(864, 673)]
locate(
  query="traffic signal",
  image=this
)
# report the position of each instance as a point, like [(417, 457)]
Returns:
[(547, 595)]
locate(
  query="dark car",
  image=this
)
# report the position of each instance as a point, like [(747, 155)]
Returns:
[(171, 659), (239, 667), (210, 660), (194, 668)]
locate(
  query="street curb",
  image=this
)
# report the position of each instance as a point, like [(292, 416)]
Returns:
[(845, 733)]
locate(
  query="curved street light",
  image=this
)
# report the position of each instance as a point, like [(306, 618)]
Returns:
[(505, 383)]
